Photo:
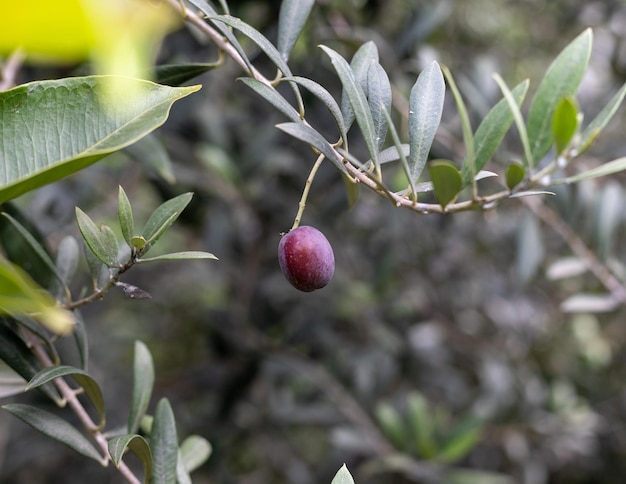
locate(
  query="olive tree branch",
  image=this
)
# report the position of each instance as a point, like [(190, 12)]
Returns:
[(483, 203), (70, 397)]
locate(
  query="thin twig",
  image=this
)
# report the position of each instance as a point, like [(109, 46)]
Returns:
[(100, 292), (578, 246)]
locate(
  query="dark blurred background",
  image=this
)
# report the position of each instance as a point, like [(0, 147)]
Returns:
[(460, 312)]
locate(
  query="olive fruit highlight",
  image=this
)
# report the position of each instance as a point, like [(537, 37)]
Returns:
[(306, 258)]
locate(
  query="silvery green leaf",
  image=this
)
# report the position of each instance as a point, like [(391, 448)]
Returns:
[(291, 19), (164, 444), (360, 64), (54, 427), (425, 110), (354, 92), (343, 476), (379, 99)]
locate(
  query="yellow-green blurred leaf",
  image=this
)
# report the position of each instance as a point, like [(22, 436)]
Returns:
[(564, 123), (20, 295), (514, 175), (120, 36)]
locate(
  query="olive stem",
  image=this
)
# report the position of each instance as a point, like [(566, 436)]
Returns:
[(305, 192)]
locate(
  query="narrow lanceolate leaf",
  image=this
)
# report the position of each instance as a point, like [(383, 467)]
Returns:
[(312, 137), (291, 20), (54, 427), (136, 444), (187, 255), (125, 216), (379, 99), (360, 64), (98, 241), (469, 165), (327, 99), (425, 110), (519, 121), (272, 96), (164, 444), (358, 102), (164, 216), (86, 382), (564, 123), (343, 476), (591, 132), (50, 129), (609, 168), (143, 382), (446, 179), (492, 129), (562, 79)]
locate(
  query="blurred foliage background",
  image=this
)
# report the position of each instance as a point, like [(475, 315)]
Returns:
[(458, 315)]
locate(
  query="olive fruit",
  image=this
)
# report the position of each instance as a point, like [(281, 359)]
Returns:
[(306, 258)]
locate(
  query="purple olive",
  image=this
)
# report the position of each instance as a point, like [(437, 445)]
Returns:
[(306, 258)]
